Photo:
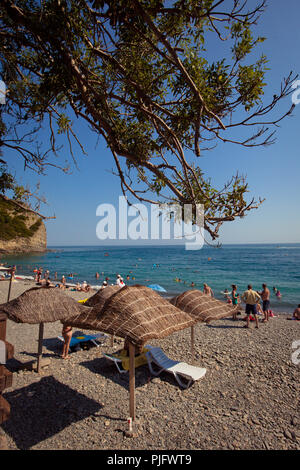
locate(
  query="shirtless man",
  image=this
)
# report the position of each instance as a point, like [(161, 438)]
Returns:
[(296, 313), (207, 290), (265, 297)]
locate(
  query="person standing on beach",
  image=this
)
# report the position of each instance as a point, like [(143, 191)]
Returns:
[(234, 299), (265, 297), (39, 275), (250, 297), (207, 290), (67, 335)]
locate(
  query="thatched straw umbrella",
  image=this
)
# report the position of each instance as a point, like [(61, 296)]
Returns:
[(137, 314), (41, 305), (101, 295), (97, 300), (12, 274), (202, 308)]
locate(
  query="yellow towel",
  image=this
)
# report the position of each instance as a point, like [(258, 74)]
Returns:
[(139, 360)]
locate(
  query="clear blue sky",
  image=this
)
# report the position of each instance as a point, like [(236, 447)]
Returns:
[(272, 172)]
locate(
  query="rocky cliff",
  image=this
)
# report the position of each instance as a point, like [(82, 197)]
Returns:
[(20, 231)]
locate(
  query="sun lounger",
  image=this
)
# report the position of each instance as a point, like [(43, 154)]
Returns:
[(82, 338), (117, 360), (180, 370)]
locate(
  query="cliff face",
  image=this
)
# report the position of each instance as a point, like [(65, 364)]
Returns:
[(21, 233)]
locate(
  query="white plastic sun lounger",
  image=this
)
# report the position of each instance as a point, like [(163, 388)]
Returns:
[(116, 361), (179, 369)]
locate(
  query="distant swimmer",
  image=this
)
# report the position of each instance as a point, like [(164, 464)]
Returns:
[(226, 293), (278, 294), (192, 284), (97, 275)]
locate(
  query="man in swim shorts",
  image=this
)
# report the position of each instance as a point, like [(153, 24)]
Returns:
[(250, 297), (265, 297)]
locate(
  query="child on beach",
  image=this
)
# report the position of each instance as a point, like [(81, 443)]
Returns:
[(259, 309), (67, 335)]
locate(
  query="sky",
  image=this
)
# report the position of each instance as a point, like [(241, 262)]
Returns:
[(272, 172)]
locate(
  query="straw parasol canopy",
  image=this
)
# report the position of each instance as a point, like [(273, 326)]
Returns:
[(101, 295), (202, 307), (41, 305), (136, 313), (88, 318)]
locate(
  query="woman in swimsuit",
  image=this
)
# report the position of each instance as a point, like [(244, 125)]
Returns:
[(234, 298), (67, 335)]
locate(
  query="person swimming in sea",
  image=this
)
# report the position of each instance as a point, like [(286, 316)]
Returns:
[(278, 294)]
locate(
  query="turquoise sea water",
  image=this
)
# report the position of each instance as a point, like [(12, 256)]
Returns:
[(275, 265)]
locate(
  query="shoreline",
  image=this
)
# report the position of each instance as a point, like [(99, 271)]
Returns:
[(248, 398), (177, 270), (24, 284)]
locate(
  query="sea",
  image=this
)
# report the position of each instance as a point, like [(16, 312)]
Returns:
[(175, 269)]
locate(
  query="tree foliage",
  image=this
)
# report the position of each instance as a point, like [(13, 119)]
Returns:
[(141, 74)]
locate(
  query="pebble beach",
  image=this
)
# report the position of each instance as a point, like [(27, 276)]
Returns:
[(248, 399)]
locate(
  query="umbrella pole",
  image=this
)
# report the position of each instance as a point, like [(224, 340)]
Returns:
[(40, 347), (192, 344), (12, 273), (131, 381)]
